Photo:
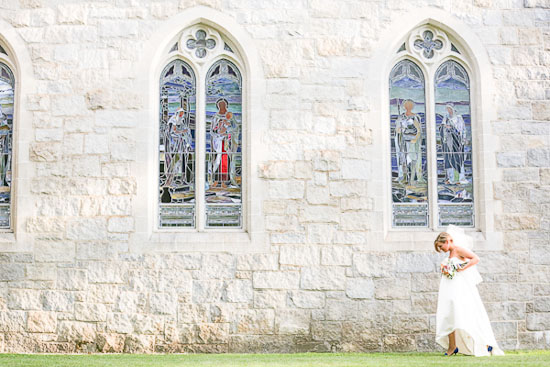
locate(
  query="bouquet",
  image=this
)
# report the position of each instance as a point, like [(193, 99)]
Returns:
[(449, 266)]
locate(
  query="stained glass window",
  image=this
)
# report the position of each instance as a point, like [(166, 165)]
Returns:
[(201, 43), (201, 133), (408, 146), (223, 194), (431, 187), (177, 146), (7, 84), (454, 145), (428, 45)]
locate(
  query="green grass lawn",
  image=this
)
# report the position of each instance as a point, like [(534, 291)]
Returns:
[(515, 359)]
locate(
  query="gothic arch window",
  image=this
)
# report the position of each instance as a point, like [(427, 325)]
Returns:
[(408, 144), (455, 177), (7, 113), (432, 175), (177, 145), (200, 133), (223, 145)]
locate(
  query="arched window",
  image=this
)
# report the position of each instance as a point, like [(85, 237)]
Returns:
[(223, 145), (200, 133), (455, 193), (408, 145), (177, 145), (432, 174), (7, 109)]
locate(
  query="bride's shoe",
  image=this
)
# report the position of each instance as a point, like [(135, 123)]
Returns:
[(455, 352)]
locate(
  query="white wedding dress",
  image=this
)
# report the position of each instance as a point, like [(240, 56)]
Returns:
[(460, 309)]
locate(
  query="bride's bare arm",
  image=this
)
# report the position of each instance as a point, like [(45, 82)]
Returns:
[(469, 255)]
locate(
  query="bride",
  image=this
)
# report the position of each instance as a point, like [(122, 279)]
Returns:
[(462, 324)]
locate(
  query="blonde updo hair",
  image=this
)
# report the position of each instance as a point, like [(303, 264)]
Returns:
[(441, 238)]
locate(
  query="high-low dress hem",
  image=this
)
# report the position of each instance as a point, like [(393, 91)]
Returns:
[(460, 309)]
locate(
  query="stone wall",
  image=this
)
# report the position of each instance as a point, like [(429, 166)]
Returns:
[(70, 280)]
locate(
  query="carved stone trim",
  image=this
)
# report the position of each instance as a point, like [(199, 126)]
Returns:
[(428, 44), (201, 43)]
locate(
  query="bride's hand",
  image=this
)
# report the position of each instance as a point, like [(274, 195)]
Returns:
[(462, 266)]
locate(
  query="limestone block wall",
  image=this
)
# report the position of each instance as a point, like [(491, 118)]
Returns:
[(76, 275)]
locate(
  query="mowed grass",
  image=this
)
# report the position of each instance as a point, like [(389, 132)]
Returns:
[(515, 359)]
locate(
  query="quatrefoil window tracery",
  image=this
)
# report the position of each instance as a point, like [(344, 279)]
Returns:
[(427, 45), (201, 44)]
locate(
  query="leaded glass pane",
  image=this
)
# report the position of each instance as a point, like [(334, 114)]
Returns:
[(428, 44), (410, 215), (454, 145), (408, 146), (227, 48), (223, 145), (7, 84), (201, 43), (454, 49), (177, 146)]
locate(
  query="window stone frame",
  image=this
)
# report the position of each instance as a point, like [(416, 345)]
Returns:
[(148, 237), (17, 238), (429, 69), (6, 60), (382, 236)]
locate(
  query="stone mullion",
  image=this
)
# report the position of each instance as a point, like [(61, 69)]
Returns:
[(200, 149), (431, 154)]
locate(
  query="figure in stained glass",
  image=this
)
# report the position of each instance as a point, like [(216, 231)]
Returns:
[(177, 142), (408, 140), (452, 131), (223, 145), (408, 145), (224, 134), (454, 146), (177, 146)]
